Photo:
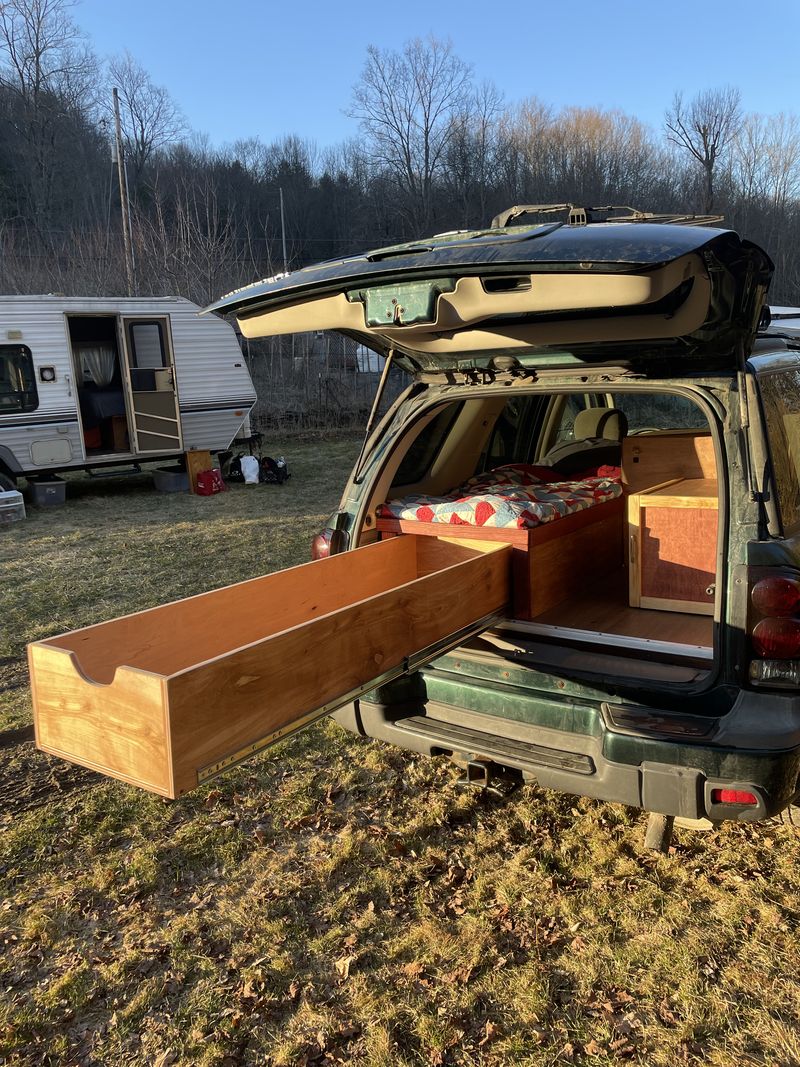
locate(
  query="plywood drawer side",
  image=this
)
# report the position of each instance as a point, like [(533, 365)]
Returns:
[(118, 729), (165, 730)]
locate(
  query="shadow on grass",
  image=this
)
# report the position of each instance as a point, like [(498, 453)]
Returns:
[(30, 779)]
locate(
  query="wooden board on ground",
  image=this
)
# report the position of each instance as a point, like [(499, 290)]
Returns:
[(197, 461), (168, 697)]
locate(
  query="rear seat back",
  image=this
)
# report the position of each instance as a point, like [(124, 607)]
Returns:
[(597, 441)]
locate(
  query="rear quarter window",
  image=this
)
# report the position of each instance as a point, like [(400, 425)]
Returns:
[(653, 411), (426, 446), (780, 401)]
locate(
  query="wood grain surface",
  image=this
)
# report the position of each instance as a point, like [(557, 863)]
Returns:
[(156, 697)]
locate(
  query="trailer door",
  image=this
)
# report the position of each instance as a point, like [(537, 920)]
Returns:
[(150, 374)]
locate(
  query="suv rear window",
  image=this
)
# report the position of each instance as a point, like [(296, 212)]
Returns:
[(780, 400)]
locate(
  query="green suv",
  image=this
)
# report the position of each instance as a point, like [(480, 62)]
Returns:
[(612, 400)]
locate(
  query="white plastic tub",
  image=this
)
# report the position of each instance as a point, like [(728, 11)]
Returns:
[(12, 506)]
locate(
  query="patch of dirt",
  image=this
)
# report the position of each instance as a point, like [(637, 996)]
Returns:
[(14, 673), (30, 779)]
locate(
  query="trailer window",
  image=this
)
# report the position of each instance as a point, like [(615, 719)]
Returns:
[(147, 353), (17, 379), (147, 346)]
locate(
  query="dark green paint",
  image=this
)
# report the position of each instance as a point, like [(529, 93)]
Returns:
[(406, 304)]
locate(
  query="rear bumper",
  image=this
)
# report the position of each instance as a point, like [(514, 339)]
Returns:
[(666, 775)]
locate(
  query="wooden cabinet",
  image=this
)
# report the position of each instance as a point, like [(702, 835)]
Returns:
[(672, 532), (119, 432), (168, 697)]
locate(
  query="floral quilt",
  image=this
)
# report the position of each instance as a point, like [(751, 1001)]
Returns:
[(515, 495)]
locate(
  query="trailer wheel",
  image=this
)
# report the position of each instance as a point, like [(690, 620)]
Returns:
[(6, 483)]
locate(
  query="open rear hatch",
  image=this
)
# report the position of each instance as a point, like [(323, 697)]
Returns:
[(542, 295)]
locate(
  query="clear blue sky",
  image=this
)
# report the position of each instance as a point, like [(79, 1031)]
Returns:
[(243, 67)]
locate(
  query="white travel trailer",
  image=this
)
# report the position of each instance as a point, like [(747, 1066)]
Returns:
[(90, 382)]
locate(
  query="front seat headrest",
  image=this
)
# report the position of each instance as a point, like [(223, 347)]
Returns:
[(609, 424)]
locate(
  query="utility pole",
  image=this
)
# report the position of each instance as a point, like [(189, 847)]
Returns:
[(285, 261), (122, 174), (283, 234)]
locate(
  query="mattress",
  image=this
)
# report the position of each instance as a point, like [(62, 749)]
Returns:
[(515, 495)]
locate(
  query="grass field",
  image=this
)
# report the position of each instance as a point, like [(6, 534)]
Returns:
[(336, 901)]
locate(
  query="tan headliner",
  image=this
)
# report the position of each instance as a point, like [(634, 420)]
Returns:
[(459, 312)]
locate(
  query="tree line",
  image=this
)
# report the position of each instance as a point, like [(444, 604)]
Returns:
[(435, 151)]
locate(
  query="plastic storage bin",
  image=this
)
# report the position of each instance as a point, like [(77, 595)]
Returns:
[(12, 506), (171, 480), (49, 492)]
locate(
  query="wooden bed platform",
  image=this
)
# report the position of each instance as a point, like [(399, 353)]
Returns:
[(551, 562)]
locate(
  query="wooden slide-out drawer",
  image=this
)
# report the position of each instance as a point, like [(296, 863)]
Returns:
[(168, 697)]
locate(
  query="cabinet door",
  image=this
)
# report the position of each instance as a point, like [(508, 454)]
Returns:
[(673, 566)]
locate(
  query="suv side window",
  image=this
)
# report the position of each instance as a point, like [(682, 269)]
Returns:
[(425, 447), (574, 403), (651, 411), (513, 433), (17, 381), (780, 400)]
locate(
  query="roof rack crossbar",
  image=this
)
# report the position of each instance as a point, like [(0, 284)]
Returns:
[(579, 215)]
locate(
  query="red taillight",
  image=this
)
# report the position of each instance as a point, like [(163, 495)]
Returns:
[(777, 639), (733, 796), (321, 544), (329, 542), (776, 596)]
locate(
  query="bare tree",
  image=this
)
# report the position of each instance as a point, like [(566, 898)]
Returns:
[(45, 51), (406, 103), (470, 154), (188, 240), (766, 159), (151, 120), (705, 128), (50, 71)]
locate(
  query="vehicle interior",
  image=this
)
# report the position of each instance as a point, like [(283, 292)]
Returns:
[(98, 379), (624, 534)]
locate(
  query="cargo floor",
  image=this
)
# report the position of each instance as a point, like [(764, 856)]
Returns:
[(604, 609)]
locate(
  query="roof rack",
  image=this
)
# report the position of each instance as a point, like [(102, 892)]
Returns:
[(578, 215)]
